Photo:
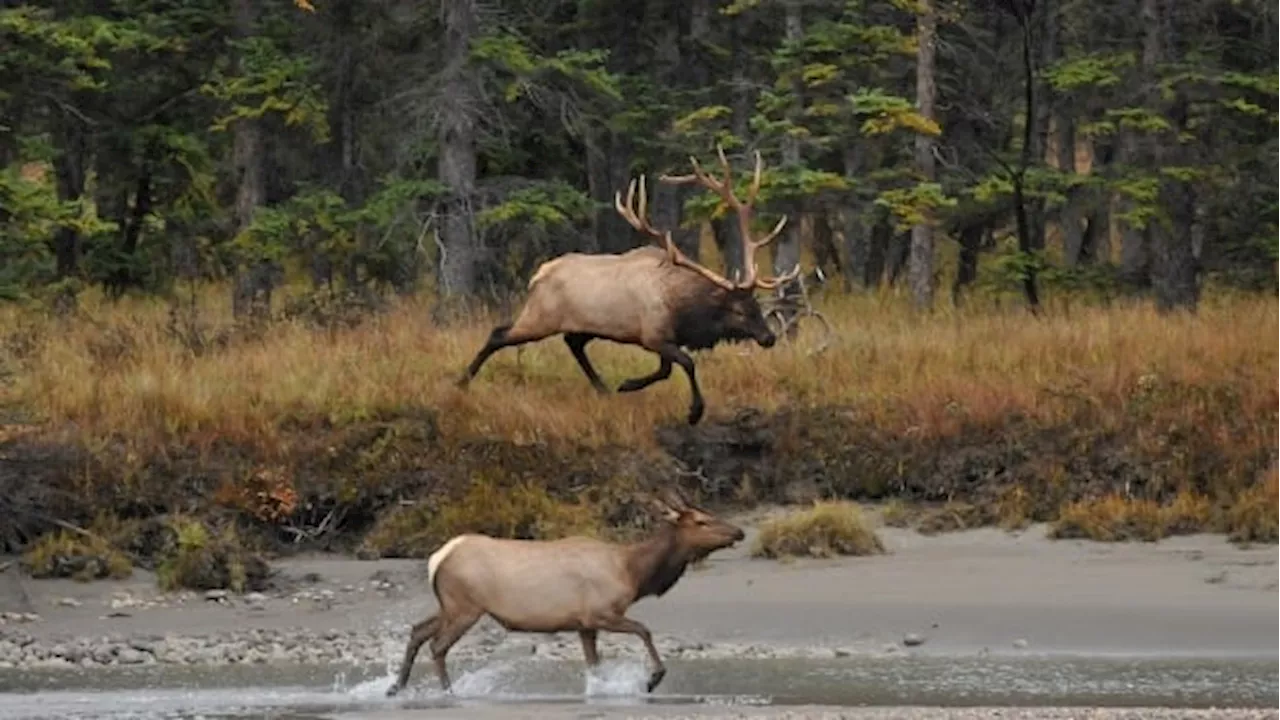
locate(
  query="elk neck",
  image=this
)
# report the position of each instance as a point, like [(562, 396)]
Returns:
[(699, 313), (656, 563)]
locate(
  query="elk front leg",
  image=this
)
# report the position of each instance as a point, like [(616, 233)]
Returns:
[(577, 343), (662, 373), (589, 651), (673, 353), (623, 624)]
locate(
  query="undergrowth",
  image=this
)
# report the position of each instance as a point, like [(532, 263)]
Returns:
[(827, 529), (1112, 422)]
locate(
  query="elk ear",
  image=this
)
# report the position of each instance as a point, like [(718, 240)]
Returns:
[(662, 509), (674, 498)]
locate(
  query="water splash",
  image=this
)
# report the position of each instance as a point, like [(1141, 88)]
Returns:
[(615, 678)]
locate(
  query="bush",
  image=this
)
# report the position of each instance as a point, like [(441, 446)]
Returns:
[(1115, 518), (1253, 516), (75, 555), (825, 530), (524, 511), (202, 560)]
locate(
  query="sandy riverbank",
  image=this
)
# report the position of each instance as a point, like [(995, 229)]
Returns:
[(983, 591)]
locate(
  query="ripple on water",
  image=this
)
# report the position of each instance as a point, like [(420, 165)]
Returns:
[(157, 693)]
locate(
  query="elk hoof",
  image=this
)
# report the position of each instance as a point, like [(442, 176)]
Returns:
[(695, 414), (656, 678), (393, 690), (462, 382)]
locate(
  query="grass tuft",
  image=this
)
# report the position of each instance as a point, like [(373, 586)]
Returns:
[(827, 529), (204, 560), (1115, 518), (66, 554), (1253, 516)]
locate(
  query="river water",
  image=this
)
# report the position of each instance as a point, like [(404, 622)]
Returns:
[(294, 693)]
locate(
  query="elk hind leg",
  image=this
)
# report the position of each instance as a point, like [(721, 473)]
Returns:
[(662, 373), (421, 633), (502, 336), (577, 343), (449, 633)]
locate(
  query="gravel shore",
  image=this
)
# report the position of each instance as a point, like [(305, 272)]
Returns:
[(960, 594), (830, 713)]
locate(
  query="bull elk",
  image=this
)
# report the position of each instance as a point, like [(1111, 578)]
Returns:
[(656, 298), (572, 584)]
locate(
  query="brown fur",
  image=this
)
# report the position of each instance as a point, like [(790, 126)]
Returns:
[(574, 584), (635, 298), (656, 298)]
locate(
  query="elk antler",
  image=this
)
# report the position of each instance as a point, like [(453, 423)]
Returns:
[(639, 221), (724, 188)]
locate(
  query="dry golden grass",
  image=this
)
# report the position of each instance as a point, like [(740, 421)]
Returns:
[(1114, 518), (1254, 515), (115, 371), (827, 529), (522, 511)]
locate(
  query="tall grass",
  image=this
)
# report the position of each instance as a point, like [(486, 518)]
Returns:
[(114, 369)]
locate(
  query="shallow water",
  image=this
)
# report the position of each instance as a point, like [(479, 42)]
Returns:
[(173, 692)]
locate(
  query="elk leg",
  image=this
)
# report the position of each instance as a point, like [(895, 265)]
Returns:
[(577, 343), (672, 353), (589, 652), (662, 373), (449, 633), (501, 337), (421, 633), (623, 624)]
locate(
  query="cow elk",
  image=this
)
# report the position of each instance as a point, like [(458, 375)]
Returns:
[(656, 298), (575, 584)]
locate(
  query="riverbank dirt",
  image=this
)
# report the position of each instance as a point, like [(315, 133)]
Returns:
[(971, 592)]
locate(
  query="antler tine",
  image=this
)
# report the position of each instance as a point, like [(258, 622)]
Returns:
[(757, 244), (640, 221), (773, 283), (628, 213), (726, 188), (644, 201)]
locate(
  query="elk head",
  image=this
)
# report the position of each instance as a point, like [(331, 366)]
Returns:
[(736, 315), (698, 532)]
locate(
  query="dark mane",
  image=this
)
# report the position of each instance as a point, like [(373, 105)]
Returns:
[(658, 566), (699, 315)]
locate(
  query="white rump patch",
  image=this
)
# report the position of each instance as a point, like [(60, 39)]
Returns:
[(437, 557)]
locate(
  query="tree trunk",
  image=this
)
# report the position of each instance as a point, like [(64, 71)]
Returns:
[(1175, 268), (856, 242), (1071, 217), (1021, 211), (1135, 248), (726, 228), (920, 269), (252, 289), (970, 237), (786, 254), (674, 69), (69, 176), (456, 135)]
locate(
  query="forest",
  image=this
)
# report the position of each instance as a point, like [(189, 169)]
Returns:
[(235, 234)]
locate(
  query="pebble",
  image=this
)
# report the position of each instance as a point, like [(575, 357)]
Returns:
[(69, 602), (912, 639), (1020, 644)]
